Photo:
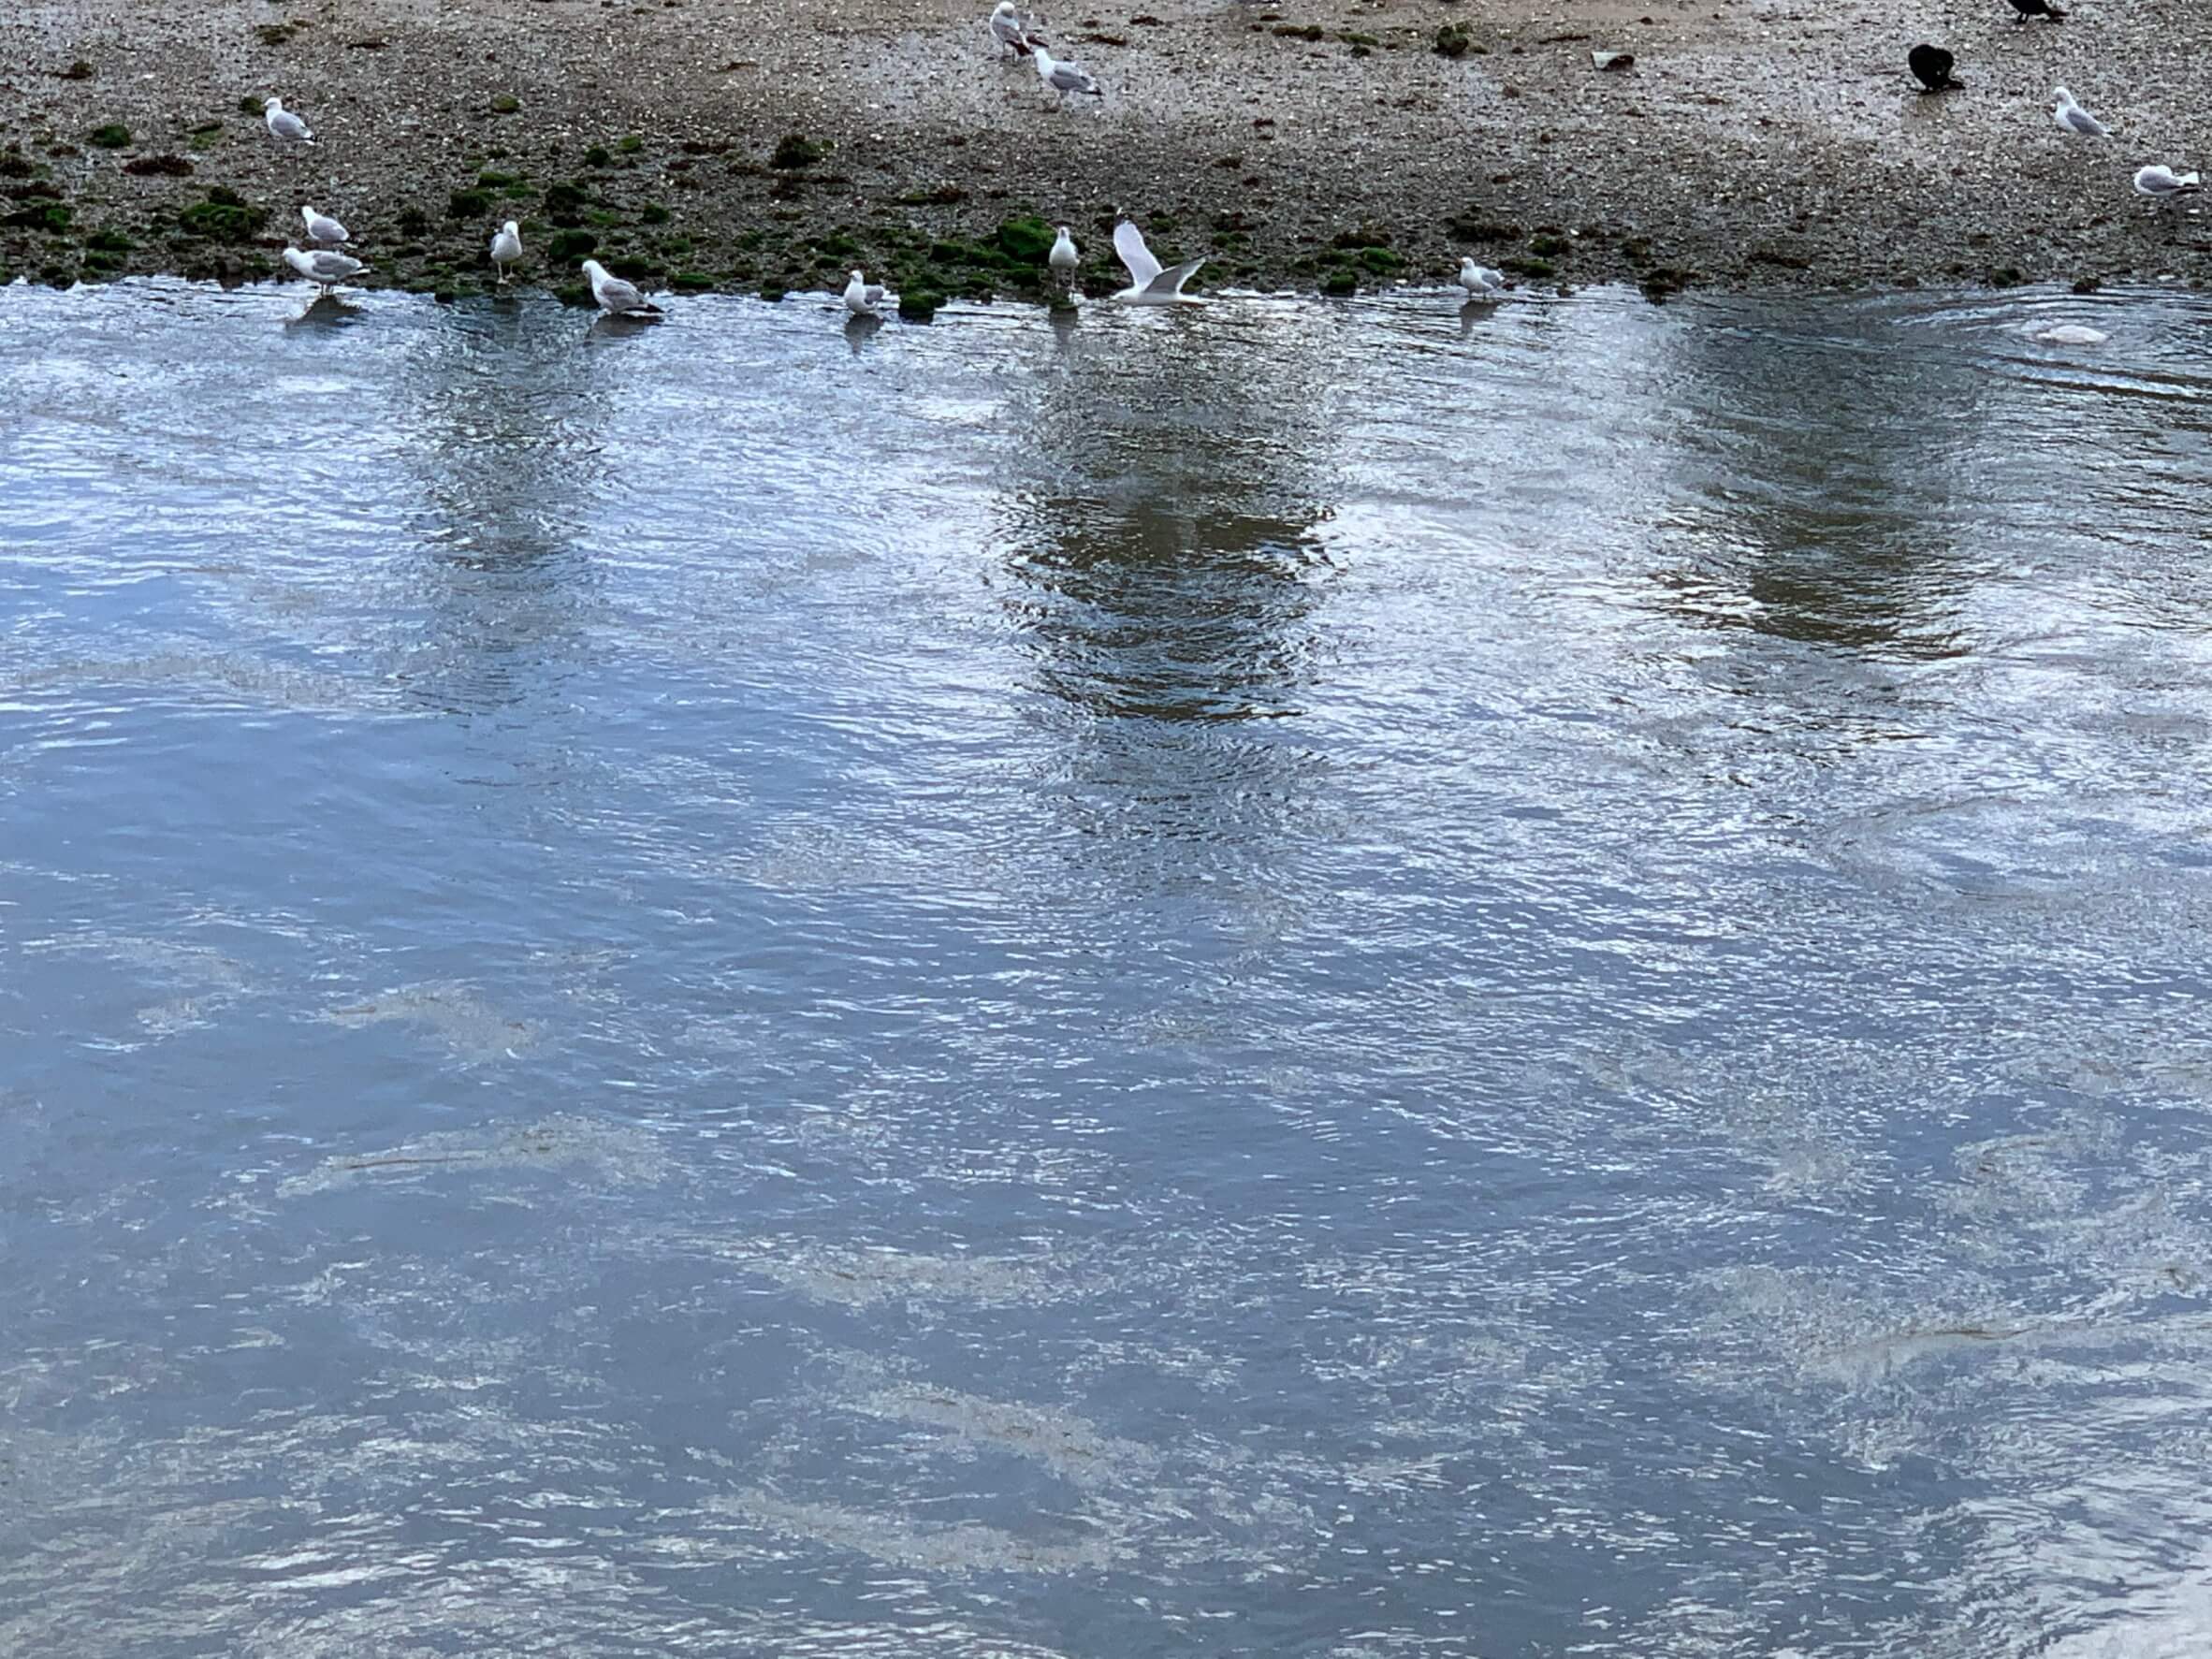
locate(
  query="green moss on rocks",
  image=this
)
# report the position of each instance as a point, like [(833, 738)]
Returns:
[(114, 135), (1025, 240), (569, 246), (919, 305), (1342, 282), (225, 216), (468, 204)]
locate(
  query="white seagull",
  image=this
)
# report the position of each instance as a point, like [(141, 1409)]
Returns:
[(1063, 77), (325, 268), (864, 298), (1148, 283), (2162, 183), (2072, 118), (321, 228), (616, 297), (285, 126), (1480, 281), (1064, 258), (507, 248), (1007, 28)]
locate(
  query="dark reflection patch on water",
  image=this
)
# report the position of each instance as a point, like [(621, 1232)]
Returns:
[(1335, 980)]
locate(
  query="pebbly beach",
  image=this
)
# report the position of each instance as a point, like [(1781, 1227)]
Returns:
[(760, 146)]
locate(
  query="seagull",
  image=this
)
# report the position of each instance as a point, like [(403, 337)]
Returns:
[(1007, 28), (1064, 258), (325, 268), (507, 247), (1063, 77), (1148, 283), (2028, 9), (2162, 183), (1480, 281), (616, 297), (285, 126), (2072, 118), (1931, 67), (321, 228), (864, 298)]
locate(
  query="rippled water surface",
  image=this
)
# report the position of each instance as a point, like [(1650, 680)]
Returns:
[(1273, 980)]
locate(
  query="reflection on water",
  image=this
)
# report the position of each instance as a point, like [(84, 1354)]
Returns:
[(1356, 981)]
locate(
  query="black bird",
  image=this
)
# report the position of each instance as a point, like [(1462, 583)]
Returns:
[(1931, 67), (2028, 9)]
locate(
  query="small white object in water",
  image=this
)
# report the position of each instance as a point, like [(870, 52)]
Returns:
[(1062, 79), (2073, 334), (864, 298), (2072, 118), (1064, 258), (325, 268), (2162, 183), (285, 126), (1481, 281), (507, 247), (323, 229), (1148, 283), (616, 297), (1008, 29)]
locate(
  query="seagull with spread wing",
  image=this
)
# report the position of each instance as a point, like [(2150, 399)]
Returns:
[(1149, 285)]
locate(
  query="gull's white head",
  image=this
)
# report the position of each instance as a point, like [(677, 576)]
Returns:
[(1005, 9), (2063, 95), (510, 228), (858, 278), (593, 269), (274, 104)]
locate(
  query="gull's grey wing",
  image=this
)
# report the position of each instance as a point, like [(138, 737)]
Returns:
[(1171, 280)]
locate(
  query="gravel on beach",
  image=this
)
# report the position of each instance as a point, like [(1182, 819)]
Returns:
[(767, 146)]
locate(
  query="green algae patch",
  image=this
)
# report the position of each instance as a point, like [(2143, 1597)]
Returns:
[(225, 216), (1027, 239)]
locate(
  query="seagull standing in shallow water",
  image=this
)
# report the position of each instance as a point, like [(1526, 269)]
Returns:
[(864, 298), (616, 297), (1008, 29), (1063, 77), (325, 268), (1148, 283), (507, 248), (323, 229), (1480, 281), (1063, 259), (2072, 118), (285, 126)]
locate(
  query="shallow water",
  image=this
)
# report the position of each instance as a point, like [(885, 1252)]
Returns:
[(1293, 981)]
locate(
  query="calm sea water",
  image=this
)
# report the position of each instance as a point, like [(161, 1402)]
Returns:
[(1278, 981)]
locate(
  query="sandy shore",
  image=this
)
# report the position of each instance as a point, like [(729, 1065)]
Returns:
[(1307, 144)]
